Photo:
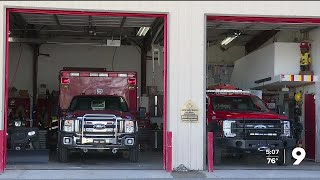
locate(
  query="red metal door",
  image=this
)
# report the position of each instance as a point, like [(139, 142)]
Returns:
[(310, 126)]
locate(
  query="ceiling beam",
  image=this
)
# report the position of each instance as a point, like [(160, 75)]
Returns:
[(66, 40), (57, 20), (19, 20), (153, 34), (259, 40), (309, 29), (123, 21)]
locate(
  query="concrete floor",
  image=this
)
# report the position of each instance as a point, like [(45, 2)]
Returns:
[(41, 165), (157, 174), (258, 162), (44, 160), (151, 160)]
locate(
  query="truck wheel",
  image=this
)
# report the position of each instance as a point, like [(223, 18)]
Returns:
[(134, 154), (63, 154), (217, 155), (285, 158)]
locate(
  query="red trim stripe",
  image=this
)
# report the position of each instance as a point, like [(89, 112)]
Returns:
[(84, 13), (87, 13), (210, 152), (165, 92), (302, 77), (311, 78), (272, 20), (291, 77)]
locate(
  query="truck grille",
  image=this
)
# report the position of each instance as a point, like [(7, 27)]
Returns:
[(19, 136), (258, 129), (99, 126)]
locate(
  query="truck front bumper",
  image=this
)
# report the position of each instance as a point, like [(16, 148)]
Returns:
[(74, 141), (256, 145)]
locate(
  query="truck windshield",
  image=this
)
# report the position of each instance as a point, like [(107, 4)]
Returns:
[(99, 103), (238, 103)]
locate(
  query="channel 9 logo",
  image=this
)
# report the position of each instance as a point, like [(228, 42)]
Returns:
[(277, 156), (299, 154)]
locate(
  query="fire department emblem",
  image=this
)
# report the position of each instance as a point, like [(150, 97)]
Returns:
[(99, 91)]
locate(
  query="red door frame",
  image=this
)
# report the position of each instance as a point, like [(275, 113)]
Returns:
[(3, 150), (263, 19)]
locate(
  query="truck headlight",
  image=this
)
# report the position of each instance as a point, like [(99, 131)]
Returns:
[(129, 126), (286, 129), (31, 133), (68, 125), (227, 128)]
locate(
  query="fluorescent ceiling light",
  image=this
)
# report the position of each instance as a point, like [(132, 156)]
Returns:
[(143, 31), (227, 40)]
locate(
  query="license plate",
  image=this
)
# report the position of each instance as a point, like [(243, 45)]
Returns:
[(109, 130), (99, 141)]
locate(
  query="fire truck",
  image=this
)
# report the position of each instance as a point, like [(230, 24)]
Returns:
[(242, 123), (98, 109)]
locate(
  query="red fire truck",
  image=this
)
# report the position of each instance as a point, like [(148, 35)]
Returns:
[(242, 123), (98, 112)]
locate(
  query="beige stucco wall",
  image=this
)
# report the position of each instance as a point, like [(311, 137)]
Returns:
[(186, 54)]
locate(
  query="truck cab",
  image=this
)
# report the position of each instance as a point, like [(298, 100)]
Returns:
[(97, 112), (242, 123)]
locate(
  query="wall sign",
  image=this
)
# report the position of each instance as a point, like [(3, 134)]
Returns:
[(189, 112)]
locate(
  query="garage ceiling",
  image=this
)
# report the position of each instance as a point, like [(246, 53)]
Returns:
[(73, 26), (218, 30)]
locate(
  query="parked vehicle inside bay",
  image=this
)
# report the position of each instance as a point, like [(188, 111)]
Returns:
[(98, 111), (242, 124), (19, 135)]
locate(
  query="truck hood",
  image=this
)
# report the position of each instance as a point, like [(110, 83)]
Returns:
[(248, 115), (121, 114)]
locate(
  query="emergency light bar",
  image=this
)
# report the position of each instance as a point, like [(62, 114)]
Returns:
[(99, 74), (228, 91), (66, 80)]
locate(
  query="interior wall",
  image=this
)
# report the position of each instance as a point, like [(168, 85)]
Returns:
[(286, 58), (284, 36), (20, 67), (155, 75), (123, 58), (244, 75), (216, 55)]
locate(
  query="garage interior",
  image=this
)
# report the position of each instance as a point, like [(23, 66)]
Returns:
[(256, 56), (43, 44)]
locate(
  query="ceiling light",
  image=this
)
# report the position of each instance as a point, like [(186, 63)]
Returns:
[(143, 31), (227, 40)]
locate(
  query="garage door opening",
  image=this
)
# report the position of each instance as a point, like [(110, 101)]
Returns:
[(257, 70), (65, 69)]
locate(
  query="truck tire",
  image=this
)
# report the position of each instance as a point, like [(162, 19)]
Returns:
[(285, 158), (63, 154), (134, 154)]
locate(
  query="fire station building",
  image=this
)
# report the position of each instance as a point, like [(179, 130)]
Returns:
[(178, 50)]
